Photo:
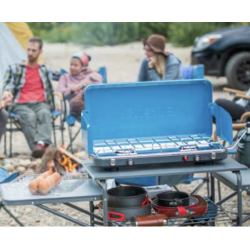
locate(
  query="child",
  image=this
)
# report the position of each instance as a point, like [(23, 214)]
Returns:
[(72, 84)]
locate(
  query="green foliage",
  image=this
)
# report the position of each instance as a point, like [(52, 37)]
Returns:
[(183, 34), (147, 29), (38, 28), (106, 33), (180, 34), (53, 32)]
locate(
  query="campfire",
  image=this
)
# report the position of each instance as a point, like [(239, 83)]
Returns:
[(60, 160)]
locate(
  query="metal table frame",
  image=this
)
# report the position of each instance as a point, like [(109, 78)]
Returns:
[(89, 191), (228, 180), (100, 175)]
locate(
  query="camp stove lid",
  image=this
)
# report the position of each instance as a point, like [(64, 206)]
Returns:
[(146, 110)]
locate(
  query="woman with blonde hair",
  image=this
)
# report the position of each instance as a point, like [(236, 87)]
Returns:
[(158, 64)]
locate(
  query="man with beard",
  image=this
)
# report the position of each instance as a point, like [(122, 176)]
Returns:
[(29, 84)]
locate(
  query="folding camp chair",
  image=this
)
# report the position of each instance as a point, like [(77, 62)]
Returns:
[(192, 71), (71, 119), (6, 177), (230, 180), (240, 124), (56, 115)]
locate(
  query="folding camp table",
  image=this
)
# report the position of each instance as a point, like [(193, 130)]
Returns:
[(96, 189), (87, 191), (100, 175)]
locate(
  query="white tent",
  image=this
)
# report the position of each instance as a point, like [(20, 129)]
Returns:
[(11, 50)]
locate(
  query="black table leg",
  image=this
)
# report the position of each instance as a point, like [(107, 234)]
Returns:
[(208, 182), (212, 188), (11, 215), (64, 216), (239, 197), (105, 203), (212, 193), (91, 209)]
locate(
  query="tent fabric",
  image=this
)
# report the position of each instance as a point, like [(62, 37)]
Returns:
[(10, 50), (21, 31)]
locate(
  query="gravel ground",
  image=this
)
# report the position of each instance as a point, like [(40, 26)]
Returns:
[(122, 64)]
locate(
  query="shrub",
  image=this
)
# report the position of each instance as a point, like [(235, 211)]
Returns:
[(183, 34), (106, 33)]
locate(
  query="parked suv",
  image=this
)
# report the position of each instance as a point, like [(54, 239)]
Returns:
[(225, 52)]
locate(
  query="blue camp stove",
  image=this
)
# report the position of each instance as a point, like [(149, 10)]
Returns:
[(135, 124)]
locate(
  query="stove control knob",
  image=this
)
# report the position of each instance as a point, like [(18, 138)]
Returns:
[(197, 158), (130, 162), (112, 162), (213, 155), (185, 158)]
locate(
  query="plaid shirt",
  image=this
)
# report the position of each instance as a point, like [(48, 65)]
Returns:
[(15, 79)]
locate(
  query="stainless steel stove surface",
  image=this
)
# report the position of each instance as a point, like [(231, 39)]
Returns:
[(123, 152)]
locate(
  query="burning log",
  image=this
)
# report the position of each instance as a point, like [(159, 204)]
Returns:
[(59, 159)]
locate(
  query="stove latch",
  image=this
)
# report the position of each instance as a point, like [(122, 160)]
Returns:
[(130, 162), (213, 155), (197, 158), (112, 162)]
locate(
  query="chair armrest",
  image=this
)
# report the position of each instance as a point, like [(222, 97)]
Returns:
[(243, 96), (244, 117), (60, 104), (239, 126), (234, 91), (59, 95), (215, 137)]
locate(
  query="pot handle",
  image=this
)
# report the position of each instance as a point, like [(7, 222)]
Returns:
[(179, 202), (121, 218), (182, 211), (145, 202)]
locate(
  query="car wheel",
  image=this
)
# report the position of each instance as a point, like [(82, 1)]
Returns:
[(238, 71)]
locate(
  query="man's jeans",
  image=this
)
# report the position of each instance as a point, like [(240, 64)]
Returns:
[(35, 121)]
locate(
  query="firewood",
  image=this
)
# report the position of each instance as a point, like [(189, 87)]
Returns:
[(50, 154), (52, 159), (69, 154)]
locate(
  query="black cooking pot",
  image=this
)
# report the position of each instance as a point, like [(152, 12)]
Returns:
[(127, 213), (173, 199), (129, 196)]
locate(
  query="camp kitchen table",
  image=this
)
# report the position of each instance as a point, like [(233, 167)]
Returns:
[(156, 128), (95, 189), (87, 191), (100, 175)]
